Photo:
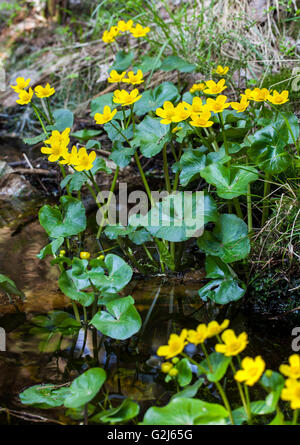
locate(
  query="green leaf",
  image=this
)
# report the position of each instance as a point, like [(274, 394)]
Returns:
[(63, 119), (85, 134), (224, 287), (9, 286), (74, 180), (153, 99), (149, 64), (151, 136), (229, 239), (98, 104), (113, 132), (51, 248), (85, 387), (218, 366), (123, 61), (56, 321), (35, 140), (186, 411), (171, 63), (179, 216), (185, 374), (165, 255), (230, 182), (44, 396), (191, 163), (122, 413), (92, 143), (99, 165), (189, 391), (120, 273), (267, 149), (72, 287), (67, 220), (121, 155), (121, 320)]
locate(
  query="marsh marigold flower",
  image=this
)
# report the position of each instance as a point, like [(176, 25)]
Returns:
[(110, 36), (217, 105), (46, 91), (115, 77), (293, 369), (139, 31), (214, 328), (55, 152), (291, 393), (21, 84), (215, 88), (182, 112), (197, 87), (85, 160), (233, 344), (70, 158), (124, 98), (197, 106), (59, 139), (25, 97), (222, 71), (201, 120), (106, 116), (125, 26), (252, 370), (241, 106), (84, 255), (258, 95), (134, 79), (278, 98), (167, 113), (175, 345), (199, 335)]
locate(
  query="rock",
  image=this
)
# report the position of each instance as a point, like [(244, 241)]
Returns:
[(13, 185), (4, 169)]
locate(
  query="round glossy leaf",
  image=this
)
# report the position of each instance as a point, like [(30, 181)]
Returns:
[(120, 321), (218, 366), (185, 411), (124, 412), (229, 239), (68, 284), (67, 220), (151, 136), (85, 387), (171, 63), (44, 396), (120, 273)]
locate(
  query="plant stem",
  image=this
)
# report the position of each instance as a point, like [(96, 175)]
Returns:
[(111, 192), (295, 417), (144, 178), (267, 187), (166, 169), (247, 411), (238, 209)]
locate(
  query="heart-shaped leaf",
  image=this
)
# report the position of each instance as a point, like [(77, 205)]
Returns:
[(171, 63), (217, 367), (120, 273), (122, 413), (229, 239), (151, 136), (153, 99), (85, 387)]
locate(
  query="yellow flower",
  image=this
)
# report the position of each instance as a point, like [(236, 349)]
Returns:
[(173, 372), (197, 105), (124, 98), (55, 152), (46, 91), (165, 367), (240, 106), (218, 105), (115, 77), (233, 345), (215, 88), (125, 26), (222, 71), (139, 31), (293, 369), (167, 112), (201, 120), (84, 255), (59, 139), (175, 345), (110, 36), (134, 79), (252, 370), (106, 116), (182, 112), (197, 87), (70, 158), (175, 129), (291, 393), (258, 95), (25, 97), (21, 84), (199, 335), (278, 98), (214, 328), (85, 160)]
